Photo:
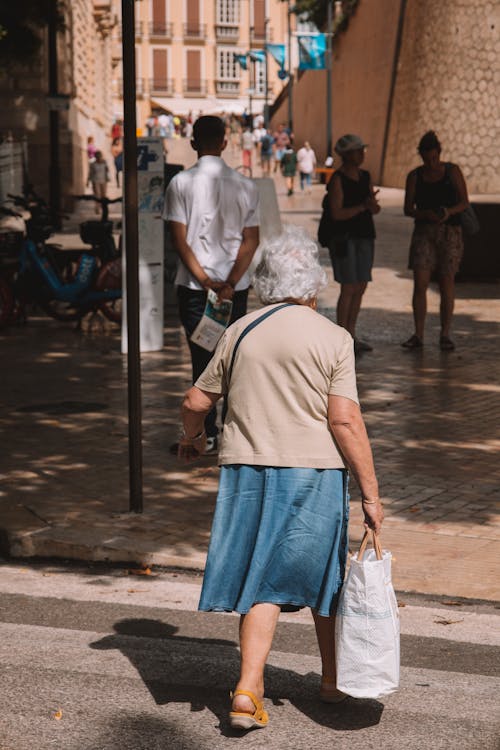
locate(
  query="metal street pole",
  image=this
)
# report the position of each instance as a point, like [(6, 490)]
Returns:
[(290, 74), (132, 257), (54, 163), (329, 147)]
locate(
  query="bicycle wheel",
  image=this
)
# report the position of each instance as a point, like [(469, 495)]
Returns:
[(110, 279), (6, 303)]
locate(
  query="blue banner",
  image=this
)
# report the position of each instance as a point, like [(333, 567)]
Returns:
[(257, 55), (277, 51), (312, 49), (241, 60)]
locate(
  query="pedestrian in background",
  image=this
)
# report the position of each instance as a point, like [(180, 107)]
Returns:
[(91, 149), (281, 142), (289, 168), (279, 534), (306, 162), (246, 150), (436, 194), (266, 153), (213, 217), (352, 202), (99, 177), (117, 154)]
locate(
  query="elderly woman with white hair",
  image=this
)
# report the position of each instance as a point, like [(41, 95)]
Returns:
[(293, 425)]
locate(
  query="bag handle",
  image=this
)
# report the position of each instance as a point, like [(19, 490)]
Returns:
[(375, 542)]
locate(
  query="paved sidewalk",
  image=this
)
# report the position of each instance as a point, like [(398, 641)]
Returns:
[(432, 419)]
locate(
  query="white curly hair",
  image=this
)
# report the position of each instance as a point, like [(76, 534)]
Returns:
[(289, 267)]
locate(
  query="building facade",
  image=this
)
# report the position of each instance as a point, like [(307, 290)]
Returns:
[(84, 78), (401, 68), (185, 56)]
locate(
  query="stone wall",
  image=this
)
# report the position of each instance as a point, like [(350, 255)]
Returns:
[(449, 81)]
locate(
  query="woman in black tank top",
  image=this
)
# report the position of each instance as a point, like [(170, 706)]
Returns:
[(436, 195), (352, 202)]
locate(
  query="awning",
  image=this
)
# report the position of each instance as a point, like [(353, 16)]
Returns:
[(208, 105)]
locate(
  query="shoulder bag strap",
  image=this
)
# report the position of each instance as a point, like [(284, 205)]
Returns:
[(249, 328)]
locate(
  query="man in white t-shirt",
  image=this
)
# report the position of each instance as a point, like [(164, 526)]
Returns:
[(213, 218), (306, 162)]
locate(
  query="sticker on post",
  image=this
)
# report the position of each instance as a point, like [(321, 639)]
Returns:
[(214, 322)]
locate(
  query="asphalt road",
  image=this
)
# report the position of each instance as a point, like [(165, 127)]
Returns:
[(95, 659)]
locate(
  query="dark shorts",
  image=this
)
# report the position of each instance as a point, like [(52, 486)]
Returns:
[(352, 259)]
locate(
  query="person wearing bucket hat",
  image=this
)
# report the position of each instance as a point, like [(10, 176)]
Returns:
[(352, 202)]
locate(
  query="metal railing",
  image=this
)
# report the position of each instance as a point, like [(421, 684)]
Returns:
[(227, 32), (139, 30), (140, 87), (161, 86), (258, 36), (227, 87), (161, 29), (194, 86), (193, 31)]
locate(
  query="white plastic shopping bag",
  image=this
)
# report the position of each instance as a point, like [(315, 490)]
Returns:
[(367, 626)]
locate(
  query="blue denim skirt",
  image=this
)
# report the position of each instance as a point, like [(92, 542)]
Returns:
[(279, 535)]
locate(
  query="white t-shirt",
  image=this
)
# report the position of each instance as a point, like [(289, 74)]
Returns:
[(283, 373), (306, 160), (215, 203), (247, 140)]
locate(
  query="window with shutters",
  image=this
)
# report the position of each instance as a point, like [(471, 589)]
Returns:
[(159, 26), (228, 71), (160, 80), (193, 82), (259, 19), (228, 11), (260, 77)]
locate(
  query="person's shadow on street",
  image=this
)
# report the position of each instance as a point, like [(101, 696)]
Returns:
[(175, 671)]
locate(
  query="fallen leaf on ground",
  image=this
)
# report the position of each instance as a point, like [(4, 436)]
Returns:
[(401, 604), (57, 714), (139, 572), (447, 622)]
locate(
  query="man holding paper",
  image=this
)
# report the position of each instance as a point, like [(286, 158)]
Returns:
[(213, 218)]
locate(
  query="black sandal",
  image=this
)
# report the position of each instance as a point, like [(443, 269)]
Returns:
[(446, 344), (413, 342)]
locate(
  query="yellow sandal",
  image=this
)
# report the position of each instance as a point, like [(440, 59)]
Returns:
[(244, 720)]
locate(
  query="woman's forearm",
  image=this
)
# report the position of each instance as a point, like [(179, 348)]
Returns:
[(352, 439)]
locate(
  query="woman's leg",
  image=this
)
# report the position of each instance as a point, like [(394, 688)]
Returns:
[(421, 279), (325, 633), (256, 636), (447, 289), (349, 304)]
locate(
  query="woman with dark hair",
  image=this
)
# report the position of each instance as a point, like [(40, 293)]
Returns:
[(436, 194)]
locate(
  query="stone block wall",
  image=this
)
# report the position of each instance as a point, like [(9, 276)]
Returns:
[(448, 80)]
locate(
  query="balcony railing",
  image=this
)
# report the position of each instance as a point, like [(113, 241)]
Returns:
[(193, 86), (161, 86), (161, 30), (139, 30), (227, 32), (227, 88), (140, 87), (258, 36), (194, 31)]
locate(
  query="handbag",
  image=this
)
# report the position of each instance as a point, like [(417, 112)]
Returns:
[(367, 625), (469, 221)]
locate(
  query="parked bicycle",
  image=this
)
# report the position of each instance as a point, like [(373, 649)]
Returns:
[(66, 284)]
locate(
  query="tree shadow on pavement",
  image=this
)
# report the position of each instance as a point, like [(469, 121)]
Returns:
[(179, 669)]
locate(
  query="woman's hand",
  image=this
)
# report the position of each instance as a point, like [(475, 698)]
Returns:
[(225, 292), (374, 514), (192, 448)]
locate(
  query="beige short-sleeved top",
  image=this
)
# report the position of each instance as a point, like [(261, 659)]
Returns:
[(283, 373)]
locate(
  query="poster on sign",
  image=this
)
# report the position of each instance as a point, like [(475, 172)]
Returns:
[(150, 187)]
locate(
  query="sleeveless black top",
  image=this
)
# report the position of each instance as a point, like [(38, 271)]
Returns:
[(436, 195), (355, 192)]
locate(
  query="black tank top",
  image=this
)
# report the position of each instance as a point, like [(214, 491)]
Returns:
[(355, 192), (436, 195)]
